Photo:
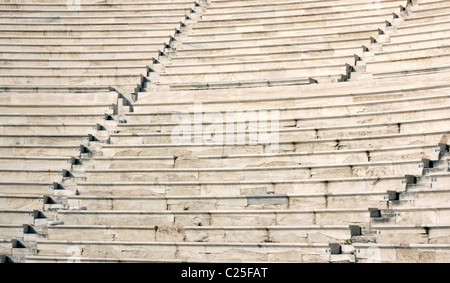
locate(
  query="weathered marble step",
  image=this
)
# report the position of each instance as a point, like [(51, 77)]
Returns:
[(263, 202), (11, 231), (270, 48), (269, 74), (412, 253), (156, 14), (221, 33), (316, 158), (219, 66), (409, 54), (428, 4), (56, 109), (250, 133), (417, 43), (408, 27), (101, 79), (435, 181), (308, 7), (219, 9), (399, 64), (221, 218), (246, 84), (100, 6), (310, 105), (41, 150), (63, 118), (347, 258), (432, 34), (58, 98), (414, 215), (284, 39), (33, 32), (416, 72), (49, 129), (33, 162), (98, 9), (165, 122), (40, 139), (280, 54), (191, 251), (81, 50), (103, 72), (50, 26), (429, 9), (400, 168), (216, 234), (362, 90), (82, 39), (425, 19), (422, 198), (17, 188), (404, 234), (74, 63), (183, 150), (294, 15), (91, 19), (280, 23), (24, 202), (19, 216), (268, 160), (31, 175), (226, 188), (273, 136), (229, 4)]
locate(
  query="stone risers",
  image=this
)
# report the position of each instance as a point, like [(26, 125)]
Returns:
[(305, 201), (313, 145), (193, 251), (166, 233), (216, 133), (248, 100), (227, 188), (255, 174), (266, 160)]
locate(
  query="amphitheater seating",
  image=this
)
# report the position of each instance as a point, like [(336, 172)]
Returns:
[(359, 171)]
